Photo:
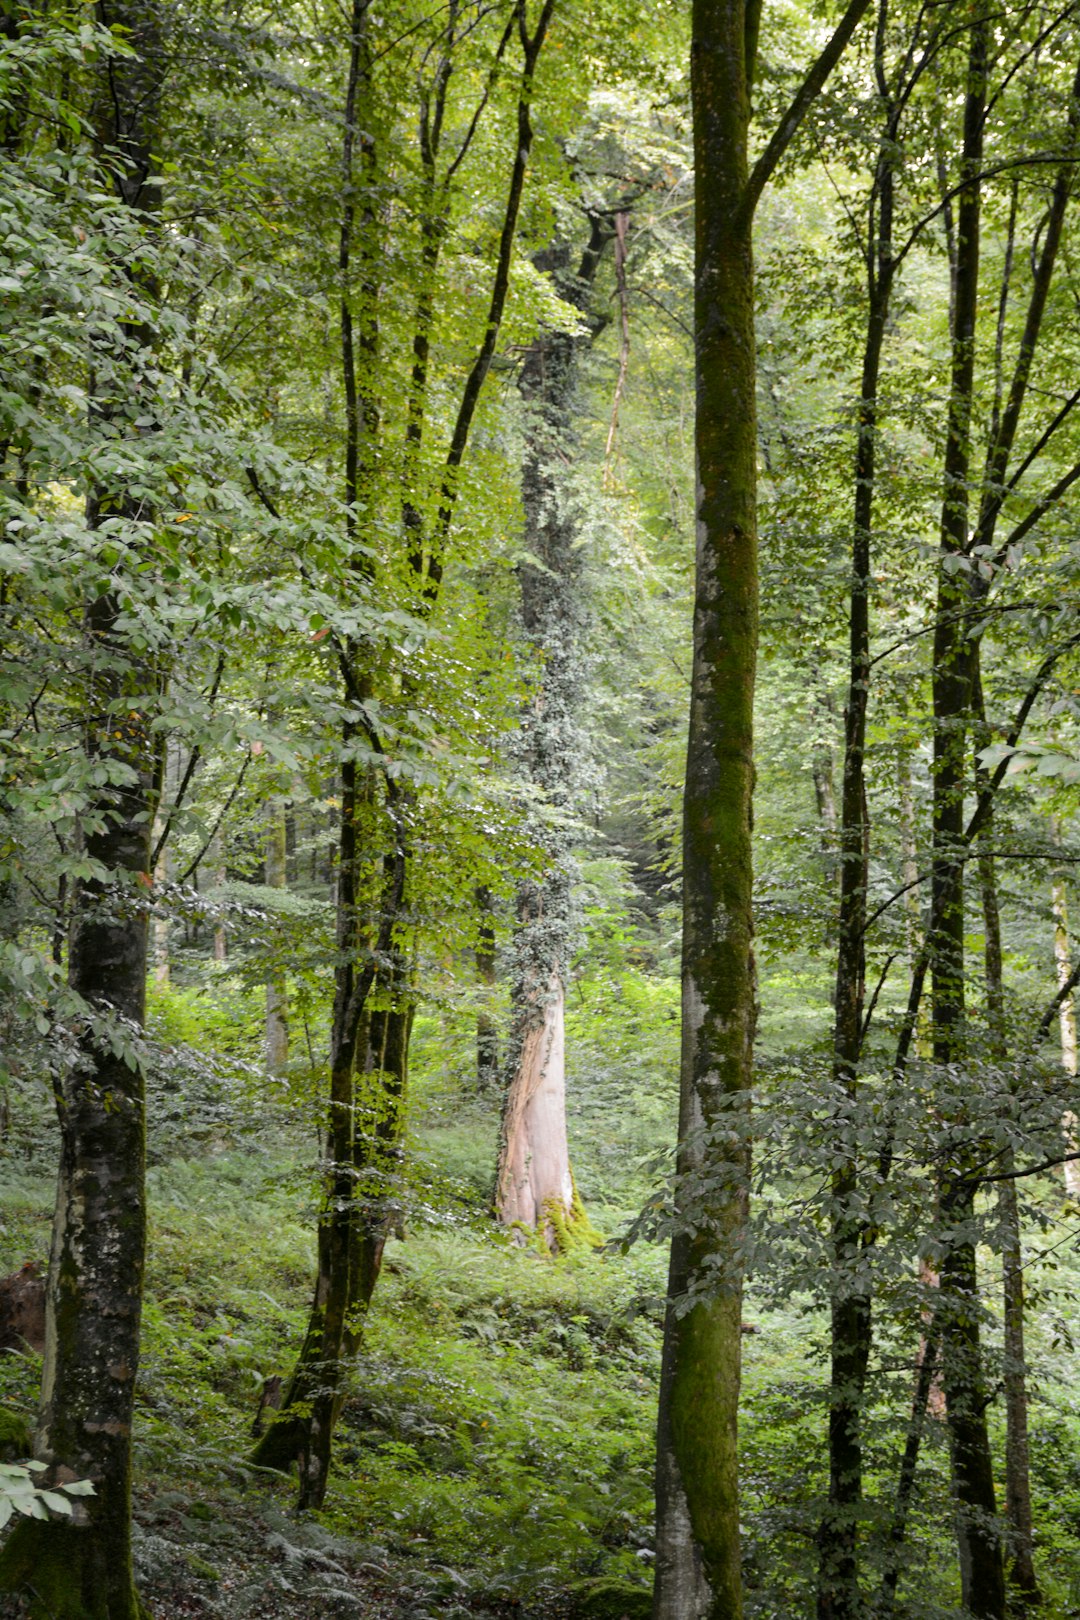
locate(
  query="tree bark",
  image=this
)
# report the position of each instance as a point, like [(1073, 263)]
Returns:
[(534, 1187), (838, 1596), (698, 1544), (966, 1397), (81, 1569), (698, 1570), (1021, 1559)]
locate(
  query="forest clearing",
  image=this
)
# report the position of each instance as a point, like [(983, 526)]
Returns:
[(539, 760)]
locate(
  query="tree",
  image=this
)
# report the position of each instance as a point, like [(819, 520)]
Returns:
[(698, 1564), (81, 1563), (534, 1185)]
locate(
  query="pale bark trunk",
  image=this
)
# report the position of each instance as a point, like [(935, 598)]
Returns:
[(536, 1188), (217, 877)]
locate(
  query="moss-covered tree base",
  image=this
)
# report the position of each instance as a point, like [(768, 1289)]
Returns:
[(64, 1572), (282, 1443)]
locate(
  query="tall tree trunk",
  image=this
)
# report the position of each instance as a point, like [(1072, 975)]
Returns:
[(698, 1570), (698, 1545), (1021, 1566), (534, 1184), (290, 1436), (838, 1595), (978, 1537), (277, 1001), (81, 1567), (305, 1423)]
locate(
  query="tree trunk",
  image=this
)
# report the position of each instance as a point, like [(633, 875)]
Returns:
[(698, 1545), (698, 1560), (838, 1596), (1021, 1567), (80, 1568), (966, 1397), (534, 1186), (277, 1001)]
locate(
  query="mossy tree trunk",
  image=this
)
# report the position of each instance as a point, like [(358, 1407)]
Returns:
[(80, 1568), (534, 1186), (698, 1548)]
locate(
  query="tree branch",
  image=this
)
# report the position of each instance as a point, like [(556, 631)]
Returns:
[(804, 98)]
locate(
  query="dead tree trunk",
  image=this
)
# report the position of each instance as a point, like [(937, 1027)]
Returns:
[(534, 1183)]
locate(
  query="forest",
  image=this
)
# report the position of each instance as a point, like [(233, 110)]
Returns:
[(538, 777)]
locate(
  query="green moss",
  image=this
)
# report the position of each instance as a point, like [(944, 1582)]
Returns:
[(198, 1566), (607, 1599), (572, 1229), (16, 1439)]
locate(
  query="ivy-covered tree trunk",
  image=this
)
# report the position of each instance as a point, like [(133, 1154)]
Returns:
[(80, 1568), (534, 1183)]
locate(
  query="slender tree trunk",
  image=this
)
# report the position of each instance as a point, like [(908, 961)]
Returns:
[(161, 929), (909, 856), (81, 1567), (966, 1397), (216, 867), (838, 1595), (821, 768), (905, 1485), (1021, 1563), (277, 1001), (300, 1430)]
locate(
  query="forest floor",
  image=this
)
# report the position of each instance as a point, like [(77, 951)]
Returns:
[(494, 1459)]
